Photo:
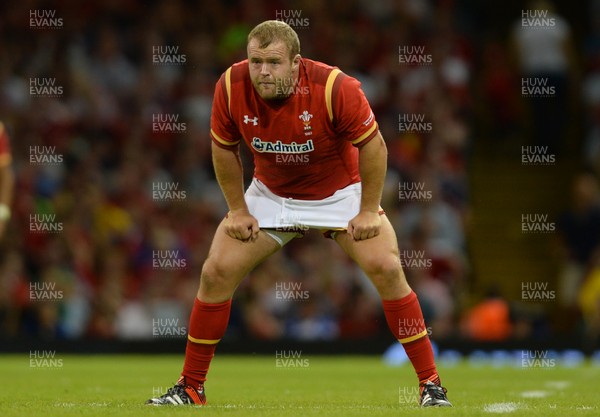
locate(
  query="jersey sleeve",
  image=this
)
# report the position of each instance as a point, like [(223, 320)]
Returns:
[(353, 118), (5, 155), (223, 131)]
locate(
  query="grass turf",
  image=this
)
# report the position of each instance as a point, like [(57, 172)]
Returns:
[(254, 386)]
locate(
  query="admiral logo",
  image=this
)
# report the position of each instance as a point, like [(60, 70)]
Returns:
[(537, 19), (279, 147), (44, 19), (247, 120)]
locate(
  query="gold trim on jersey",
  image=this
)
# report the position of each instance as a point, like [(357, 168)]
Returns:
[(328, 90), (412, 338), (228, 88), (223, 141), (365, 135), (204, 341)]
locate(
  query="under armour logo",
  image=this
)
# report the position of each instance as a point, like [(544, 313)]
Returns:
[(247, 119)]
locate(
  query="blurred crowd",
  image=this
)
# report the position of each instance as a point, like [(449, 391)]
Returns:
[(95, 273)]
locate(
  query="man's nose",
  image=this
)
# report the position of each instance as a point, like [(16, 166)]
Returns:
[(264, 69)]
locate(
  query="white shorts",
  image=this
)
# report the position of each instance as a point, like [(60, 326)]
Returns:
[(286, 218)]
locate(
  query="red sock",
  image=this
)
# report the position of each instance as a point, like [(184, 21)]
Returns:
[(405, 320), (208, 323)]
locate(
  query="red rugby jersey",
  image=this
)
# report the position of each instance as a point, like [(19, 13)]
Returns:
[(5, 155), (304, 146)]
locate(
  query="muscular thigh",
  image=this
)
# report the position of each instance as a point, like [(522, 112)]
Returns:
[(235, 258)]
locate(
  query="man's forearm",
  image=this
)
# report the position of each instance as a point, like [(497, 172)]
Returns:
[(229, 173), (372, 166)]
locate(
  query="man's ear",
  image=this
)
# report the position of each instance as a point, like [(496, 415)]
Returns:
[(296, 62)]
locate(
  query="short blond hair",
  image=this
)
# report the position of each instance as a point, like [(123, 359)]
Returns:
[(271, 31)]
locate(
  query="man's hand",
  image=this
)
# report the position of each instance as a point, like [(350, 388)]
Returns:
[(241, 225), (365, 225)]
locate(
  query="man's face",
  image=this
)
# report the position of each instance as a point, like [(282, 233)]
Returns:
[(272, 71)]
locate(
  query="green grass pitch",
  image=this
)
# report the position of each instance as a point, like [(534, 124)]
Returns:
[(78, 385)]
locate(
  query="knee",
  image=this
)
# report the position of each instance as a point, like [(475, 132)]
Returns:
[(385, 272), (214, 274)]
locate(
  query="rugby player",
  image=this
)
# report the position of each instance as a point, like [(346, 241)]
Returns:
[(285, 107)]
